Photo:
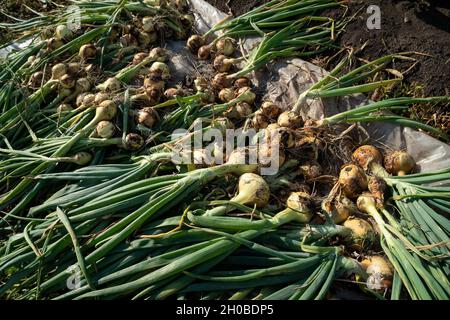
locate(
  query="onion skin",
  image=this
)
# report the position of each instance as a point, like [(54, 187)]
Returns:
[(59, 70), (311, 170), (222, 63), (105, 129), (250, 96), (225, 46), (200, 84), (220, 81), (289, 119), (253, 191), (270, 109), (298, 209), (370, 159), (259, 120), (243, 110), (160, 68), (106, 110), (377, 186), (204, 52), (352, 180), (343, 209), (194, 43), (139, 57), (363, 235), (147, 117), (67, 82), (226, 95), (242, 82), (399, 163), (133, 141), (87, 51)]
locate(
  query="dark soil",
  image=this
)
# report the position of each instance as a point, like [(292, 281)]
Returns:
[(406, 26)]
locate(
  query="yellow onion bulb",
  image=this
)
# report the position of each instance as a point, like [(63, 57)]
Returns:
[(133, 141), (194, 43), (259, 120), (64, 107), (147, 117), (270, 109), (246, 94), (226, 95), (298, 208), (220, 81), (105, 129), (242, 82), (222, 64), (352, 180), (139, 57), (243, 110), (290, 119), (74, 68), (83, 85), (362, 236), (365, 155), (160, 68), (139, 100), (148, 24), (99, 97), (204, 52), (225, 46), (87, 51), (157, 54), (222, 123), (67, 81), (253, 190), (59, 70), (200, 84), (171, 93), (54, 43), (112, 84), (399, 163), (82, 158), (342, 209), (106, 110), (238, 156), (146, 38)]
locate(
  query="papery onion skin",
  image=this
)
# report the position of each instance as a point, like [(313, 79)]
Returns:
[(226, 95), (290, 119), (225, 46), (194, 43), (105, 129), (270, 109), (352, 180), (242, 82), (378, 265), (365, 155), (133, 141), (220, 81), (204, 52), (259, 120), (253, 189), (147, 117)]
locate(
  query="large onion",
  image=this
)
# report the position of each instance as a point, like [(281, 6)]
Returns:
[(352, 180), (369, 158), (225, 46), (105, 129), (399, 163), (362, 234), (380, 272)]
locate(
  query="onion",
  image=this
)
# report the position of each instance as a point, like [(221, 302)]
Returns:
[(160, 68), (246, 94), (340, 209), (53, 44), (377, 187), (139, 57), (106, 110), (259, 120), (242, 82), (290, 119), (100, 97), (380, 272), (139, 100), (171, 93), (154, 95), (253, 190), (238, 156), (311, 170), (208, 96), (67, 82), (82, 158), (226, 95), (200, 84), (297, 209), (83, 85), (271, 129), (154, 81), (59, 70), (89, 100), (204, 52), (73, 68), (127, 40), (187, 20), (36, 79), (62, 32), (133, 141), (225, 46), (87, 51), (222, 124), (105, 129), (270, 110), (352, 180), (147, 117), (362, 234), (158, 54), (243, 109), (399, 163), (369, 158), (222, 63), (147, 24), (220, 81), (195, 42), (111, 84), (265, 153)]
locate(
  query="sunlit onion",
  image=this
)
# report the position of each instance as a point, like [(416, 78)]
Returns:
[(399, 163), (363, 235), (352, 180)]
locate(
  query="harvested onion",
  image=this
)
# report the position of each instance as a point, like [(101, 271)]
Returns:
[(399, 163), (362, 234), (352, 180)]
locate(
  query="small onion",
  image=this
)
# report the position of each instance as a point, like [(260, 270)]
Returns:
[(195, 42), (87, 51), (62, 32), (53, 43), (146, 38), (266, 153), (204, 52), (64, 107), (243, 110), (106, 110), (297, 209), (154, 82), (158, 54), (73, 68), (133, 141), (365, 155), (208, 96), (270, 109), (222, 124), (242, 82), (200, 84), (148, 24), (105, 129), (111, 84), (154, 95), (100, 97), (83, 85), (259, 120), (341, 209), (225, 46), (238, 156), (380, 272), (80, 98), (82, 158), (67, 81), (58, 70), (362, 234), (89, 99), (127, 40), (352, 180), (399, 163), (226, 95), (246, 94), (220, 81), (160, 68), (147, 117), (290, 119), (139, 100), (253, 190), (222, 63)]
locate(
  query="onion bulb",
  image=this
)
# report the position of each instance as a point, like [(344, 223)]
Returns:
[(111, 84), (259, 120), (148, 24), (399, 163), (204, 52), (67, 82), (362, 234), (246, 95), (105, 129), (222, 123), (266, 154), (200, 84), (89, 100), (369, 158), (226, 95), (133, 141), (74, 68), (297, 209), (59, 70), (377, 187), (83, 85), (352, 180), (100, 97), (158, 54), (380, 272), (106, 110), (64, 107), (340, 209), (139, 57), (87, 51), (242, 82), (160, 68), (147, 117), (171, 93), (62, 32), (54, 43), (238, 156), (270, 109), (146, 38), (290, 119), (243, 110), (139, 100), (225, 46), (222, 63), (253, 190), (195, 42), (311, 170), (82, 158), (220, 81)]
